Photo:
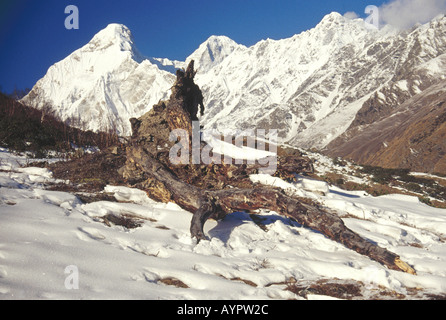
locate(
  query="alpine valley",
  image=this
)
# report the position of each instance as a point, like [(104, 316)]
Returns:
[(343, 88)]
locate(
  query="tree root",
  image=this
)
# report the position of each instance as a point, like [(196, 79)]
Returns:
[(206, 204)]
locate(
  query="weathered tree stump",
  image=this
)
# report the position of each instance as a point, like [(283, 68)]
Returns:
[(212, 191)]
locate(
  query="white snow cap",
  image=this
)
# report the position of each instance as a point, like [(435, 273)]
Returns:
[(114, 32), (114, 36), (212, 52)]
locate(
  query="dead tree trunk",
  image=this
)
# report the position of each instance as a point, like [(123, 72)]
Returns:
[(215, 203), (204, 189)]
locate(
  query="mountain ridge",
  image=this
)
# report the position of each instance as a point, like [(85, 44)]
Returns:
[(313, 87)]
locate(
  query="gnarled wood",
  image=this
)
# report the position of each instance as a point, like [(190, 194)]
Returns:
[(216, 190), (206, 204)]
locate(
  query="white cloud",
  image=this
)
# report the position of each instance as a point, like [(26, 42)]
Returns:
[(406, 13), (351, 15)]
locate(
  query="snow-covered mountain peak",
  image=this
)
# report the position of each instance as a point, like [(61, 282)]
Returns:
[(333, 17), (332, 34), (220, 40), (335, 22), (103, 84), (114, 30), (114, 37), (113, 34), (213, 51)]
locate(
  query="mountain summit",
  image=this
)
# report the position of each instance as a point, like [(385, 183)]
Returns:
[(213, 51), (113, 34), (103, 84)]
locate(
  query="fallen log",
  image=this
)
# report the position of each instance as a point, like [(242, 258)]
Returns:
[(206, 204)]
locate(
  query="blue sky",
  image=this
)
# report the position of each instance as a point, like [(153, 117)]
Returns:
[(33, 36)]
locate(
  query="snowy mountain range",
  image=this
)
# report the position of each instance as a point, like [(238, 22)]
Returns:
[(312, 87), (103, 84)]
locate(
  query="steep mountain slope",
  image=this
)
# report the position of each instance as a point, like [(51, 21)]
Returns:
[(286, 84), (412, 136), (402, 123), (103, 84), (311, 86)]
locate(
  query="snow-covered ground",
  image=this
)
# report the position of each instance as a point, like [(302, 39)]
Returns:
[(53, 246)]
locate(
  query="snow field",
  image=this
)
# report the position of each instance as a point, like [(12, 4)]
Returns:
[(43, 232)]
